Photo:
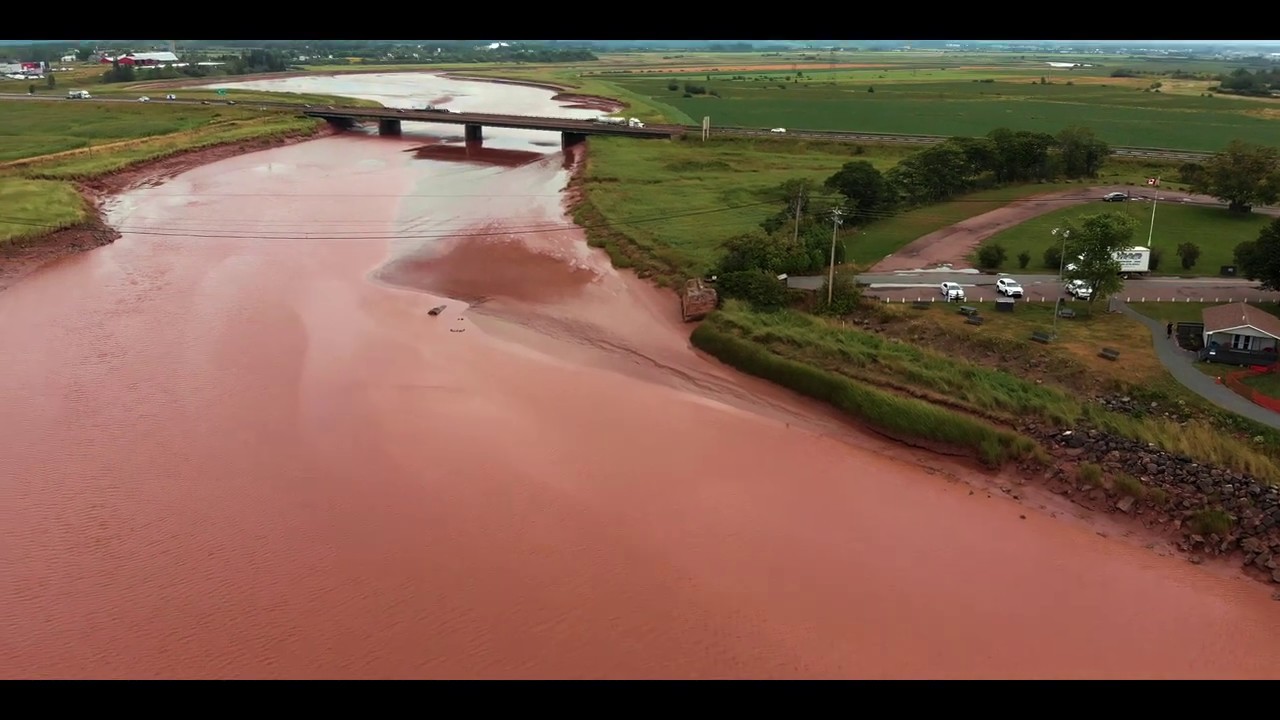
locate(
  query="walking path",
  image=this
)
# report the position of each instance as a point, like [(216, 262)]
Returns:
[(1180, 364)]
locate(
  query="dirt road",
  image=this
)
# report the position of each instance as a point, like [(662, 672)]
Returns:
[(951, 245)]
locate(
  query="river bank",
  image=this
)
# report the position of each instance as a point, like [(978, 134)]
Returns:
[(232, 456), (20, 258)]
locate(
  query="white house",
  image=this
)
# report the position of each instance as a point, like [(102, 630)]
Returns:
[(1240, 330)]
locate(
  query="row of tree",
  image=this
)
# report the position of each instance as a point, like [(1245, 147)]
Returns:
[(1262, 83), (245, 63), (799, 238)]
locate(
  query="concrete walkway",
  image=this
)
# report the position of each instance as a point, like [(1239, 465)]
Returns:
[(1180, 364)]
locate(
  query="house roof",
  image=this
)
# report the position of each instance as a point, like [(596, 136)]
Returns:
[(1235, 315), (157, 56)]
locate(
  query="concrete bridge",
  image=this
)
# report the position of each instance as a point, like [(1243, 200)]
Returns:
[(571, 131)]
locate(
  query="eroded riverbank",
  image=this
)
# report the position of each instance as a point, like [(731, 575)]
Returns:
[(238, 446)]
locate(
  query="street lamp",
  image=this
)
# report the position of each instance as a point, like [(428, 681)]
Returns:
[(1062, 263)]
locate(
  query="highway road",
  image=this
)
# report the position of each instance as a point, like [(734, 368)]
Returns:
[(829, 135), (924, 285)]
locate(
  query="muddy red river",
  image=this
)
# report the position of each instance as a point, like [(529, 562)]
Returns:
[(236, 444)]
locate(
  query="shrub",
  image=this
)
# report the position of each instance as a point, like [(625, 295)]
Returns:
[(1213, 521), (1053, 257), (992, 256), (1189, 253), (760, 288), (1024, 259)]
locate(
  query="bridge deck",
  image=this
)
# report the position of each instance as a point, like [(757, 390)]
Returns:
[(520, 122)]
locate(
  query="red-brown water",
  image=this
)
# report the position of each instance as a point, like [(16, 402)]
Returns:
[(235, 444)]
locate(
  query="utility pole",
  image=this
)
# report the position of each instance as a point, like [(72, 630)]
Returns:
[(795, 237), (1151, 233), (831, 274)]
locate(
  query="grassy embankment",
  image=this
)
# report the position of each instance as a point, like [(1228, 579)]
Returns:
[(969, 404), (1216, 231), (44, 147)]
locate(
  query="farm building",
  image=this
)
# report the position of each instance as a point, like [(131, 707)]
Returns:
[(1240, 334), (144, 59)]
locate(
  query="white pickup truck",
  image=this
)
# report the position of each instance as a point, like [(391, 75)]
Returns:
[(1078, 289)]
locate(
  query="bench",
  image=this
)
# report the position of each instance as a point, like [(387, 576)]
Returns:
[(1041, 336), (973, 320), (968, 310), (1109, 353), (1066, 313), (921, 305)]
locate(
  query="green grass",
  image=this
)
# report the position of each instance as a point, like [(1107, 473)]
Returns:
[(722, 188), (23, 201), (952, 103), (1216, 230), (901, 417), (973, 389), (1188, 311), (1268, 384), (30, 129), (884, 237)]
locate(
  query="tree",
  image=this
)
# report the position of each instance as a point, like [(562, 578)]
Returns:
[(931, 175), (1189, 252), (1260, 259), (1095, 240), (1082, 152), (1053, 256), (760, 288), (863, 186), (774, 253), (1242, 176), (1021, 155), (51, 81), (991, 256), (31, 89), (1024, 259)]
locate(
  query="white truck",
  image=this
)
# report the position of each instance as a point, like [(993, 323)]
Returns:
[(1133, 261), (612, 120), (632, 122), (79, 95)]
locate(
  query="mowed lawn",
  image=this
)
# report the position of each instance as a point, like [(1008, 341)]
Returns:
[(1215, 230), (692, 196), (1119, 112), (30, 129)]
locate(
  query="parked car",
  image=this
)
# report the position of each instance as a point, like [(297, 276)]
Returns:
[(1115, 197), (1078, 289), (952, 292), (1009, 287)]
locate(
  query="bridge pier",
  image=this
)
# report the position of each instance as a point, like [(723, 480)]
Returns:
[(570, 139), (387, 126), (341, 123), (472, 133)]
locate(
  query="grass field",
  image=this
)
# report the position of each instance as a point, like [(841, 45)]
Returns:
[(1267, 384), (52, 204), (949, 380), (1215, 230), (682, 199), (959, 103)]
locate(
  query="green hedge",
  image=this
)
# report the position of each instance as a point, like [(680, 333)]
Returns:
[(900, 417)]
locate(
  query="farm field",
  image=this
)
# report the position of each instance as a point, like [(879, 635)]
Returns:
[(1215, 230), (1121, 115)]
